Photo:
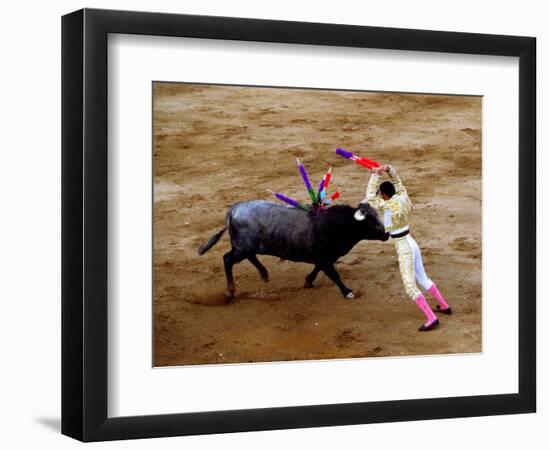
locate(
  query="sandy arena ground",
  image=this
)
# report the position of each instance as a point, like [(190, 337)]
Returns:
[(216, 145)]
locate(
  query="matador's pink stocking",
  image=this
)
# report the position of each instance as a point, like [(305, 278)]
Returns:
[(437, 295), (432, 320)]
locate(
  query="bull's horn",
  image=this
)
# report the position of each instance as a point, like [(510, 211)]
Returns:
[(359, 215)]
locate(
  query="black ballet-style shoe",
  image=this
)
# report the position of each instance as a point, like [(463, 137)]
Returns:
[(447, 311), (429, 327)]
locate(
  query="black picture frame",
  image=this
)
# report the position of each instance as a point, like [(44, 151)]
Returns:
[(84, 224)]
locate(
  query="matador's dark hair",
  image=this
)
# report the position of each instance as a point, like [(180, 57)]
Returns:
[(387, 188)]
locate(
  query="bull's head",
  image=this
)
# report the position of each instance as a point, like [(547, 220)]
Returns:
[(373, 227)]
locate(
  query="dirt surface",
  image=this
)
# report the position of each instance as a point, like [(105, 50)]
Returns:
[(216, 145)]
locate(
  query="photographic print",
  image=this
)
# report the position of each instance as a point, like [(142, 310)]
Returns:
[(311, 224)]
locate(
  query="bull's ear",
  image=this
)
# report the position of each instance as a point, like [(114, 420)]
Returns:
[(359, 215)]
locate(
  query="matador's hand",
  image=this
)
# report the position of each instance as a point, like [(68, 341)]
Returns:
[(384, 168)]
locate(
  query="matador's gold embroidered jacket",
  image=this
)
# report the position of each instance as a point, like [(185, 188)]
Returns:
[(397, 209)]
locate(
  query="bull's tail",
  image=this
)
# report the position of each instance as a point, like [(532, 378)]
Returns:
[(211, 242)]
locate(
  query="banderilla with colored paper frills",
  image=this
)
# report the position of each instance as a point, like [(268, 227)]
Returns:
[(368, 163), (309, 188), (322, 192), (288, 200), (333, 197)]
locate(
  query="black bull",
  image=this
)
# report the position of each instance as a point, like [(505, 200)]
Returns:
[(261, 227)]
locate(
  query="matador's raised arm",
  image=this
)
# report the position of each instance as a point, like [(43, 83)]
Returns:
[(372, 194)]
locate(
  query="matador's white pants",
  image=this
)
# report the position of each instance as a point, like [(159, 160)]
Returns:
[(411, 266)]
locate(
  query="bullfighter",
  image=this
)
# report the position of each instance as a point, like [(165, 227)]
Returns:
[(393, 202)]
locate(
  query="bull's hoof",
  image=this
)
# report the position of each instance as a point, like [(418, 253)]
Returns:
[(308, 284), (265, 278), (230, 295), (350, 295)]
